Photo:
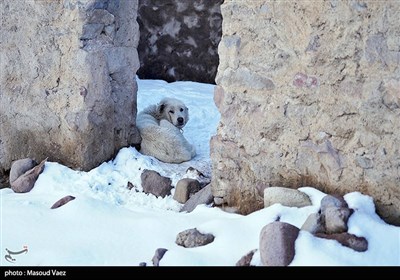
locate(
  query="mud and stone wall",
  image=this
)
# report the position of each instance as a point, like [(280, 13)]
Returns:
[(67, 80), (179, 39), (309, 93)]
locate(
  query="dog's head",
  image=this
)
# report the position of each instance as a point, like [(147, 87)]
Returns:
[(174, 111)]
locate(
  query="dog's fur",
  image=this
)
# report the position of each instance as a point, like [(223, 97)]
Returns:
[(160, 127)]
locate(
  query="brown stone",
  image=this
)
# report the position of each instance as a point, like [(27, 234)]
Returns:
[(26, 181), (191, 238), (286, 197), (246, 259), (359, 244), (277, 244), (154, 183), (185, 188), (204, 196), (62, 201)]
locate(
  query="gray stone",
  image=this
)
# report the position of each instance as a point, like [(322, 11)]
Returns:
[(20, 166), (333, 201), (336, 219), (218, 200), (101, 16), (204, 196), (110, 30), (158, 255), (314, 224), (286, 197), (185, 188), (142, 264), (277, 244), (179, 39), (296, 106), (154, 183), (26, 181), (63, 102), (359, 244), (193, 238), (246, 259), (91, 31)]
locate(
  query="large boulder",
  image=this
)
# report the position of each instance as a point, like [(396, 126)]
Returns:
[(67, 75), (312, 100)]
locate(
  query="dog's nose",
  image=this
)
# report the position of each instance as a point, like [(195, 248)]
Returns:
[(180, 120)]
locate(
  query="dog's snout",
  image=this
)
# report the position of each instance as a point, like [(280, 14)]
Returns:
[(180, 120)]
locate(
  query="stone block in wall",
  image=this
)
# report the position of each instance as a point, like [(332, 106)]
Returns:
[(309, 96), (67, 76)]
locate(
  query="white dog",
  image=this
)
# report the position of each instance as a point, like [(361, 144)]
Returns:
[(160, 127)]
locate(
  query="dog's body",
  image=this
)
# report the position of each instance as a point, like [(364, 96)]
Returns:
[(160, 125)]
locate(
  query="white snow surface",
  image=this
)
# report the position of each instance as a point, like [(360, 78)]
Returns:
[(109, 225)]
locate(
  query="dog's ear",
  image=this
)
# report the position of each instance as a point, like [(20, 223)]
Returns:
[(160, 109)]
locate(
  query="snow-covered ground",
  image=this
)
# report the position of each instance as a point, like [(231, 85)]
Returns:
[(107, 224)]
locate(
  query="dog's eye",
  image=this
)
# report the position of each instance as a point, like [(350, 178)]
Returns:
[(171, 111), (181, 109)]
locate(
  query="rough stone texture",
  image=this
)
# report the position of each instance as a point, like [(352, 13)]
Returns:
[(160, 252), (185, 188), (333, 201), (193, 238), (314, 224), (308, 95), (286, 197), (62, 201), (204, 196), (359, 244), (277, 241), (4, 180), (26, 181), (246, 259), (67, 80), (218, 200), (336, 219), (179, 39), (154, 183), (20, 166)]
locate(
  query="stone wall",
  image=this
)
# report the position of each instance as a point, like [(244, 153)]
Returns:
[(179, 39), (309, 93), (67, 80)]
